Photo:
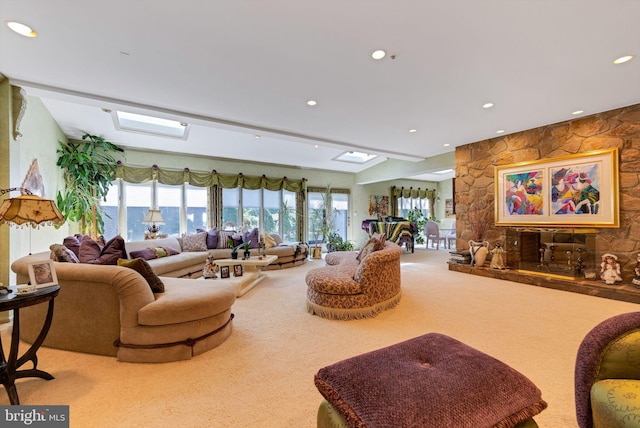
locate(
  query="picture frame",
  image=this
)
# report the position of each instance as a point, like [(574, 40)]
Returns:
[(237, 270), (576, 190), (42, 273), (224, 271)]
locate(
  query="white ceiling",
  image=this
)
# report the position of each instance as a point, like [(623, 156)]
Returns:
[(236, 69)]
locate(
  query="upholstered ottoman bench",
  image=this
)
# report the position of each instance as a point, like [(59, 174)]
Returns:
[(429, 381)]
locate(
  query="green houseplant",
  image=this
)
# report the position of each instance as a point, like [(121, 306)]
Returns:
[(88, 168)]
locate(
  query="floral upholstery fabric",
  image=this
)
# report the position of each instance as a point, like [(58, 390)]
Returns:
[(331, 292), (616, 403), (607, 373)]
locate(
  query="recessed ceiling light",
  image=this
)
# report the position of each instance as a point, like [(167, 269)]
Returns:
[(444, 171), (312, 102), (446, 145), (413, 130), (256, 136), (623, 59), (378, 54), (487, 105), (22, 29), (500, 131), (577, 112), (315, 146)]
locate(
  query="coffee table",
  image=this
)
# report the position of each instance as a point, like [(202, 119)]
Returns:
[(252, 272)]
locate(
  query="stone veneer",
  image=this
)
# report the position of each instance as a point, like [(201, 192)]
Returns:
[(616, 128)]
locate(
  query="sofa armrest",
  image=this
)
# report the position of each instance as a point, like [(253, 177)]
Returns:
[(589, 368)]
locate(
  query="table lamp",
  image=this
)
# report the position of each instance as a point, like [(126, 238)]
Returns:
[(30, 210), (153, 219)]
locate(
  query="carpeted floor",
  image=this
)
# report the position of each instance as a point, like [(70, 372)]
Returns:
[(262, 376)]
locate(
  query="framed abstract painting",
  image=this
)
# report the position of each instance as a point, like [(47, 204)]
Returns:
[(570, 191)]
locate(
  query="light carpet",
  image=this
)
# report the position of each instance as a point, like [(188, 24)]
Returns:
[(262, 376)]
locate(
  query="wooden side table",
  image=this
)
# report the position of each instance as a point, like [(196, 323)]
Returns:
[(9, 367)]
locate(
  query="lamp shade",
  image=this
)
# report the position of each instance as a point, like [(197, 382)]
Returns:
[(153, 217), (31, 210)]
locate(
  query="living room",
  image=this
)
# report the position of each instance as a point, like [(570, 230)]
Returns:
[(263, 374)]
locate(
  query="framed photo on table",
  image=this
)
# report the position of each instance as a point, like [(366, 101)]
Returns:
[(237, 270), (42, 273), (224, 271), (576, 190)]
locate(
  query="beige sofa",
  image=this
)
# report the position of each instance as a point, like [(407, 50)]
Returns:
[(347, 288), (190, 264), (111, 310)]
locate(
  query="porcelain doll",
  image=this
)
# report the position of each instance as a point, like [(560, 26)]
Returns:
[(210, 269), (610, 269), (636, 272), (497, 258)]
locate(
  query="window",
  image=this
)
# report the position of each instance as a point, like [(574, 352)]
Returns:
[(169, 202), (230, 207), (251, 203), (289, 221), (137, 199), (407, 204), (110, 212), (272, 212), (196, 208)]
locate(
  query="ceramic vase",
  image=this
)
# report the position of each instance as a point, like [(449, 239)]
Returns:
[(479, 252)]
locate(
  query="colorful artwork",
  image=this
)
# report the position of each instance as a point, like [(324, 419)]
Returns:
[(575, 189), (378, 205), (523, 193)]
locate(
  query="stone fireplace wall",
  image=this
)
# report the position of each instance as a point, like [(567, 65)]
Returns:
[(616, 128)]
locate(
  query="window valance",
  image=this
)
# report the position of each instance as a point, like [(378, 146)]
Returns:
[(401, 192), (136, 174)]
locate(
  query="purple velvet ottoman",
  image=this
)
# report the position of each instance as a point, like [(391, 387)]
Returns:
[(429, 381)]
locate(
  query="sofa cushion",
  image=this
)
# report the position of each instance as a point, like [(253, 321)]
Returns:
[(143, 268), (187, 301), (194, 242), (276, 238), (212, 237), (73, 243), (89, 250), (429, 381), (60, 253), (336, 279)]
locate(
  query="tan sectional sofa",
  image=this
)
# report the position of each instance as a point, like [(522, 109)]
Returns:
[(111, 310)]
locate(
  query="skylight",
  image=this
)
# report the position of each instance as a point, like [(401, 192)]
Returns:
[(150, 125), (355, 157)]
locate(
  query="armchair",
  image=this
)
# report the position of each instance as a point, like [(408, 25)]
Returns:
[(607, 373)]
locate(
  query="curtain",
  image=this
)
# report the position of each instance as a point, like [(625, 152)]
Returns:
[(135, 174), (397, 193)]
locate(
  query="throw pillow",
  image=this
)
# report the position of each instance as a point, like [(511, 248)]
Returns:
[(223, 241), (276, 238), (112, 251), (73, 243), (381, 238), (60, 253), (89, 250), (194, 242), (143, 268), (253, 237), (212, 237), (269, 242), (153, 253), (367, 248)]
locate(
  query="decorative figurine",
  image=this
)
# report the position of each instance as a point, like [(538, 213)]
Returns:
[(636, 276), (497, 259), (210, 269), (610, 269)]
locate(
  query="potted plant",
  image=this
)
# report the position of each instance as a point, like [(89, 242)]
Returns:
[(88, 169), (247, 252), (234, 249)]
